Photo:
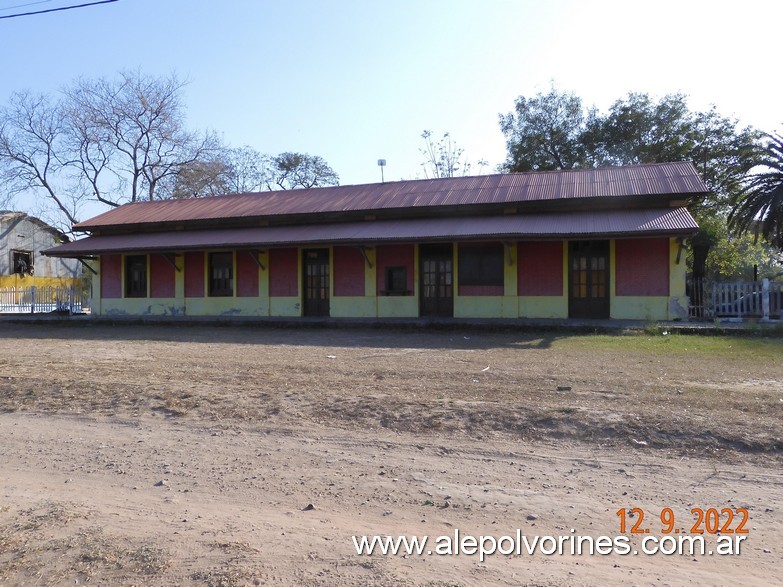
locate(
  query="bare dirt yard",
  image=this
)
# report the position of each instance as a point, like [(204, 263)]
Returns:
[(221, 456)]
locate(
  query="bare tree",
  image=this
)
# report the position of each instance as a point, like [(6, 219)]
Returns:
[(244, 170), (33, 133), (249, 169), (299, 170), (132, 129), (212, 177), (123, 140), (443, 158), (108, 140)]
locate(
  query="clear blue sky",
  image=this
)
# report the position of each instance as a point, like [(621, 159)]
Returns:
[(355, 81)]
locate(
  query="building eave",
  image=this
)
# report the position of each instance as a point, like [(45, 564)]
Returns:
[(583, 225)]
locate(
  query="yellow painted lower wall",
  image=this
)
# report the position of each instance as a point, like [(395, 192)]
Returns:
[(478, 306), (288, 306), (649, 308), (142, 307), (639, 308), (622, 307), (352, 307), (398, 307), (225, 306), (509, 306), (543, 307)]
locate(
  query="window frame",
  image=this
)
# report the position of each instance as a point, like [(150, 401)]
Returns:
[(488, 258), (15, 269), (135, 288), (389, 282), (223, 286)]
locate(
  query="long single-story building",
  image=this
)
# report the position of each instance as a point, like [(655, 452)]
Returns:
[(586, 243)]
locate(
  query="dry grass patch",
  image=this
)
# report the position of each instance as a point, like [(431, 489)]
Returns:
[(690, 393), (42, 546), (222, 577)]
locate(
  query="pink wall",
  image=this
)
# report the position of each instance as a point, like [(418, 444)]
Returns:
[(540, 268), (642, 267), (283, 272), (194, 275), (247, 275), (161, 278), (348, 271), (394, 256), (111, 276)]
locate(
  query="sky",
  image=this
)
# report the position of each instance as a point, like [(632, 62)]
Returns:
[(357, 81)]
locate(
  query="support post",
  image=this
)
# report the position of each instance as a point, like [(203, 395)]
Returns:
[(170, 260), (254, 254), (363, 250), (509, 260), (86, 266)]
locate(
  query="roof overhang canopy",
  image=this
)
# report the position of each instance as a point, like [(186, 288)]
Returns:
[(574, 225)]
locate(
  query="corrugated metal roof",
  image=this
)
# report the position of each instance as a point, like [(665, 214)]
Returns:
[(645, 222), (675, 179), (14, 217)]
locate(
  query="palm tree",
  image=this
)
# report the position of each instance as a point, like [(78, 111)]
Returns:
[(761, 199)]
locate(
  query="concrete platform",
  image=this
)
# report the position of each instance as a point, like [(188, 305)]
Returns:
[(774, 328)]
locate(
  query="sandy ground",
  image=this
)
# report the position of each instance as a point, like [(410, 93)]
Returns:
[(151, 457)]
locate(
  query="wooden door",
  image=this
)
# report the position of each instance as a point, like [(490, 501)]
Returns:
[(436, 270), (588, 289), (316, 282)]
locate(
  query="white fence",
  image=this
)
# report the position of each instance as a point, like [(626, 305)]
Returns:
[(754, 299), (35, 300)]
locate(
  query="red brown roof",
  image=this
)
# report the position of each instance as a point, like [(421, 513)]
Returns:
[(595, 224), (677, 180)]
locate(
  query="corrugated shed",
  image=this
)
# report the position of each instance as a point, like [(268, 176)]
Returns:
[(678, 180), (13, 217), (645, 222)]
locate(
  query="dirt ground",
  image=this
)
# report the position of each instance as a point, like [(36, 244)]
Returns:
[(155, 455)]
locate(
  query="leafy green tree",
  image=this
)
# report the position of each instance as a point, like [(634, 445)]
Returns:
[(555, 131), (760, 201), (734, 257), (639, 130), (545, 132)]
